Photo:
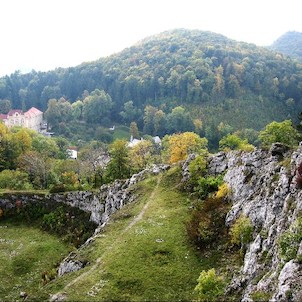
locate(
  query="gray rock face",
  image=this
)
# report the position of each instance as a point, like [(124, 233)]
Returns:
[(69, 265), (263, 187), (100, 205), (289, 277)]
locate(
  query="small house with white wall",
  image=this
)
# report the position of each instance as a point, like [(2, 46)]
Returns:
[(72, 152)]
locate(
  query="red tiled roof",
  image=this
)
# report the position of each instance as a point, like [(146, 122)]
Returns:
[(72, 148), (12, 112), (3, 116), (33, 112)]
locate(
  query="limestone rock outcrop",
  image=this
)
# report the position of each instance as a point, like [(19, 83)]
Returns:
[(263, 186)]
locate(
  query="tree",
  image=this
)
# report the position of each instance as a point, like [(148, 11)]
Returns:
[(219, 86), (58, 111), (77, 110), (45, 145), (36, 166), (140, 155), (159, 123), (179, 121), (224, 129), (14, 180), (233, 86), (197, 169), (130, 112), (234, 142), (4, 147), (282, 132), (97, 106), (250, 134), (52, 114), (23, 140), (134, 130), (9, 151), (183, 144), (94, 159), (70, 180), (50, 92), (62, 143), (118, 167), (197, 125), (5, 106), (149, 117)]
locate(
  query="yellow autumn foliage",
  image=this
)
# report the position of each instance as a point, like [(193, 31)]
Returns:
[(183, 144), (223, 191)]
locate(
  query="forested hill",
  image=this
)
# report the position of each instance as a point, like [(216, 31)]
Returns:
[(289, 44), (215, 78)]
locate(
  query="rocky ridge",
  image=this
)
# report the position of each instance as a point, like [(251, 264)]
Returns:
[(110, 198), (263, 186), (99, 206)]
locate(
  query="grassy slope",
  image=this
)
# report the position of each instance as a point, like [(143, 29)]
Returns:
[(121, 132), (25, 253), (143, 254)]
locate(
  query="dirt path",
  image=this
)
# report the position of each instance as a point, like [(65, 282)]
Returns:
[(60, 296), (142, 212)]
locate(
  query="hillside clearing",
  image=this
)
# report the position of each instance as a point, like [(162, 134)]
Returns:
[(143, 253)]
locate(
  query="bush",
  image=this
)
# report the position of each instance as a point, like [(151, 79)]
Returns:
[(299, 176), (290, 240), (197, 168), (241, 231), (71, 224), (207, 185), (223, 191), (210, 287), (58, 188), (207, 222), (14, 180), (260, 296)]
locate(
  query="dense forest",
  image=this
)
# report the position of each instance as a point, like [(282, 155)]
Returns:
[(182, 94), (214, 85), (289, 44)]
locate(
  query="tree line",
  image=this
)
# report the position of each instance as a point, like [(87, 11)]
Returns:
[(214, 78), (29, 160)]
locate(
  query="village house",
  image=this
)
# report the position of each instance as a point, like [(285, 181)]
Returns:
[(72, 152), (32, 119)]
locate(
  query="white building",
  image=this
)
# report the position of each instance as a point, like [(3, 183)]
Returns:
[(32, 119), (72, 152)]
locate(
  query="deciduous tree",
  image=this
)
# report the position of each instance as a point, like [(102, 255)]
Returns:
[(282, 132), (97, 106), (234, 142), (183, 144), (5, 106), (140, 155), (134, 130), (118, 167)]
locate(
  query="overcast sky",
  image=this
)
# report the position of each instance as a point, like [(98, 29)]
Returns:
[(45, 34)]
